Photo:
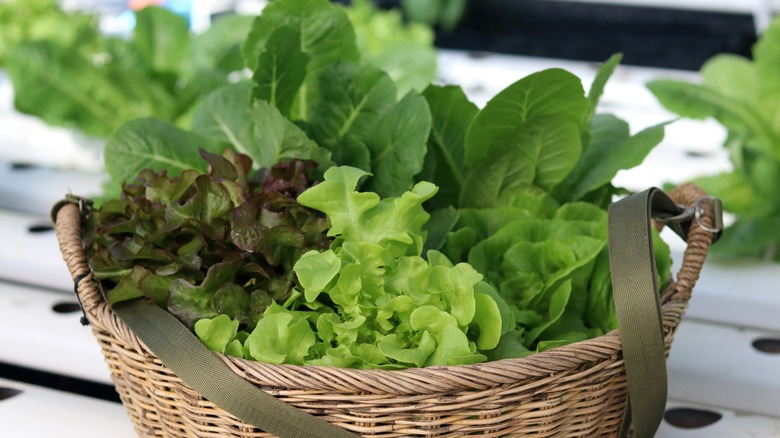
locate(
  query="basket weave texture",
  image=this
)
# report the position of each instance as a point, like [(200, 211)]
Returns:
[(578, 390)]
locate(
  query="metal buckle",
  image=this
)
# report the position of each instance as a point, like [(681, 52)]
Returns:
[(717, 213), (696, 212), (687, 214)]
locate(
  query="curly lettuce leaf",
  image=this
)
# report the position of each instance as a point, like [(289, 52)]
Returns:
[(375, 302), (393, 223)]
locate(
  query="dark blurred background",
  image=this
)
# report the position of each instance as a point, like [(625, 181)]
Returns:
[(648, 36)]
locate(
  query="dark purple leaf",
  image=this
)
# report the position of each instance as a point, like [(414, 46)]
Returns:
[(205, 244)]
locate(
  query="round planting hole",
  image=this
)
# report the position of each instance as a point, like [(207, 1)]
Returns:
[(697, 154), (42, 228), (6, 393), (767, 345), (22, 166), (478, 54), (66, 307), (690, 418)]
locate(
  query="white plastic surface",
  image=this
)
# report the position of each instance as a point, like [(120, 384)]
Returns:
[(743, 293), (36, 189), (716, 364), (31, 257), (35, 336), (42, 412)]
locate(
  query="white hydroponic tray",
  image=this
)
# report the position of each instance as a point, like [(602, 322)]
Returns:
[(741, 293), (36, 189), (30, 253), (724, 423), (40, 329), (40, 412), (722, 365)]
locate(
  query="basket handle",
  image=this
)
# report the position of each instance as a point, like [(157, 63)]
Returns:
[(637, 298)]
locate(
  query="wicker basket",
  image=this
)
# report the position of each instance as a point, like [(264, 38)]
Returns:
[(578, 390)]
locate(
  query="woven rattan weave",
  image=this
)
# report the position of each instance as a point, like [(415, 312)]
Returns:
[(578, 390)]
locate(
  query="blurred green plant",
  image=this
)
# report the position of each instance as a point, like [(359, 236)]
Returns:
[(35, 20), (404, 51), (744, 96), (94, 82), (445, 13)]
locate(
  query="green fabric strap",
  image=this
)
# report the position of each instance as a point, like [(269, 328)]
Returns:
[(204, 372), (637, 302)]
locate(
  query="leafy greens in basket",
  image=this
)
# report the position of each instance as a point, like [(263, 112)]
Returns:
[(516, 233), (744, 96), (371, 300)]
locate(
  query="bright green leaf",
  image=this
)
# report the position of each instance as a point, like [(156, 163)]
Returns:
[(487, 317), (700, 102), (315, 270), (281, 338), (597, 87), (733, 76), (736, 194), (557, 305), (402, 49), (354, 97), (766, 53), (540, 152), (220, 45), (216, 333), (556, 93), (326, 36), (415, 355)]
